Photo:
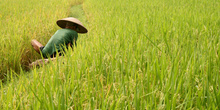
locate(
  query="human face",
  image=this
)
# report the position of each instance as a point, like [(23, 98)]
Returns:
[(71, 27)]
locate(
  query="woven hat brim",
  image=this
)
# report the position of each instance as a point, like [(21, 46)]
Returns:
[(81, 29)]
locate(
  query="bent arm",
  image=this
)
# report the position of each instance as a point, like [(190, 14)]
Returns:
[(36, 45)]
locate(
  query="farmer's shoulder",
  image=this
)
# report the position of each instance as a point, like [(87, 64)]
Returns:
[(65, 30), (65, 33)]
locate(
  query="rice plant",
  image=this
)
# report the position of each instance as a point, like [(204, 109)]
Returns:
[(143, 54)]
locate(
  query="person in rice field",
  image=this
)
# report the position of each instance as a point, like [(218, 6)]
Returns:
[(65, 37)]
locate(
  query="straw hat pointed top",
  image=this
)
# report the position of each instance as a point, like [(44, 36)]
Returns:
[(62, 23)]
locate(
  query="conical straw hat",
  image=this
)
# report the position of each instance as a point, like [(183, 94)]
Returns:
[(62, 23)]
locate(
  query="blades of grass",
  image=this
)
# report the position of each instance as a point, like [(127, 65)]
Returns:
[(48, 94), (41, 102), (152, 42)]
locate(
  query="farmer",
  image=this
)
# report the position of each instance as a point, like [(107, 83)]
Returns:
[(62, 38)]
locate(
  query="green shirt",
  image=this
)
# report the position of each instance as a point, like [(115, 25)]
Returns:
[(58, 40)]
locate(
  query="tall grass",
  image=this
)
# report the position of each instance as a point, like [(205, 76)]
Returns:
[(144, 54), (21, 21)]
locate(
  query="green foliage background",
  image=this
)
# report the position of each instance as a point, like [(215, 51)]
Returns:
[(145, 54)]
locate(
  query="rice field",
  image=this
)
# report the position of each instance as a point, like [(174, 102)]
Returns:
[(21, 21), (143, 54)]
